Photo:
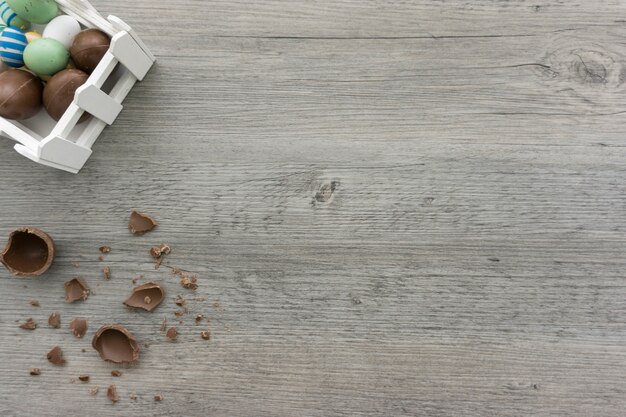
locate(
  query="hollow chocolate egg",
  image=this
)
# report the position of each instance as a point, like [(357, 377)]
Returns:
[(29, 252)]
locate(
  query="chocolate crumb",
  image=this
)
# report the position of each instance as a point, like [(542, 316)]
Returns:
[(94, 390), (83, 350), (78, 327), (55, 356), (34, 303), (76, 289), (158, 397), (101, 258), (179, 300), (180, 313), (35, 371), (140, 223), (29, 324), (163, 325), (75, 264), (112, 393), (205, 335), (106, 271), (84, 378), (105, 249), (147, 299), (54, 320), (172, 333), (189, 282), (116, 373), (199, 318), (133, 396)]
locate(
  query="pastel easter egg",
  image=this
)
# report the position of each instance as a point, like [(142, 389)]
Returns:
[(11, 18), (12, 45), (36, 11), (31, 36), (62, 28), (46, 56)]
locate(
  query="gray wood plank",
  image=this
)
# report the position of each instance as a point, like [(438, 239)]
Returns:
[(394, 208)]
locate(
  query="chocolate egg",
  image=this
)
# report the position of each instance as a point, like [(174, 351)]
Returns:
[(62, 28), (20, 94), (46, 56), (13, 43), (29, 252), (11, 18), (36, 11), (88, 48), (59, 92)]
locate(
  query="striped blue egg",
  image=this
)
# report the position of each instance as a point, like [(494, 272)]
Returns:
[(11, 18), (12, 44)]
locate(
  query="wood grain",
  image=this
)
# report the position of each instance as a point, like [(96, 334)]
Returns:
[(394, 208)]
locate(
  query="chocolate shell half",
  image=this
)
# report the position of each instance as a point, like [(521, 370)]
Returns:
[(116, 344)]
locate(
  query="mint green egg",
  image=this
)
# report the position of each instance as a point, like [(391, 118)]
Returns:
[(46, 56), (35, 11)]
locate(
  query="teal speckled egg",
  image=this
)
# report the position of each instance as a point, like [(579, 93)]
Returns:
[(46, 56), (35, 11)]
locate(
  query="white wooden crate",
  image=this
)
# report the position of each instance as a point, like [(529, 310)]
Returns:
[(65, 144)]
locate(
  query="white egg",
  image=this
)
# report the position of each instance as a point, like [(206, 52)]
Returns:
[(63, 29)]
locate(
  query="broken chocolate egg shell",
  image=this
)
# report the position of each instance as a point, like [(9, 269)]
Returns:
[(147, 296), (140, 223), (116, 344), (29, 252)]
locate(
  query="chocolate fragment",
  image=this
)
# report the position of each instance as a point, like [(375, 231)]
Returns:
[(205, 335), (34, 303), (158, 397), (29, 324), (116, 373), (55, 356), (35, 371), (147, 296), (76, 289), (104, 249), (172, 333), (199, 318), (94, 390), (106, 271), (78, 327), (112, 393), (54, 320), (140, 223), (163, 325), (116, 344), (83, 378), (29, 252)]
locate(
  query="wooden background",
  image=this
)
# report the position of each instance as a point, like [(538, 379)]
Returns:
[(396, 208)]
